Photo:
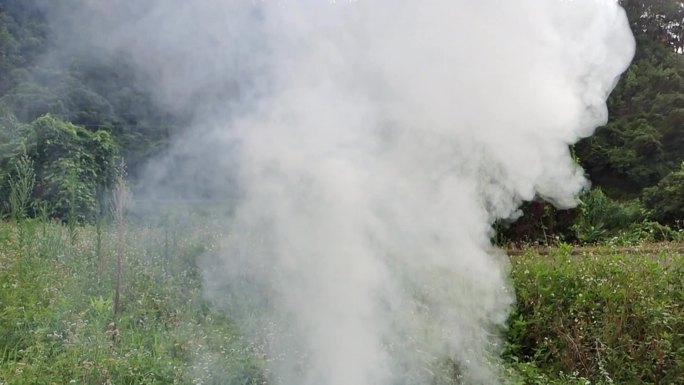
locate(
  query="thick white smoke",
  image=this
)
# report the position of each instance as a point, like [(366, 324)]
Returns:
[(374, 143)]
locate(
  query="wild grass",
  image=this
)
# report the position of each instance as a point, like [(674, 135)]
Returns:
[(58, 326), (603, 314), (599, 315)]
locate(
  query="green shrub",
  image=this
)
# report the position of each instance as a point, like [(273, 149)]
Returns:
[(72, 165), (601, 218), (666, 200)]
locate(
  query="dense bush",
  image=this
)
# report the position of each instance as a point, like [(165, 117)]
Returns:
[(601, 217), (666, 200), (72, 165)]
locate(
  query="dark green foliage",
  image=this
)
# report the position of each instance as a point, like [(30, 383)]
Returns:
[(666, 200), (657, 20), (23, 34), (28, 101), (625, 158)]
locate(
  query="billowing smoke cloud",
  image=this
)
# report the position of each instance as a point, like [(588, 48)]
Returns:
[(373, 144)]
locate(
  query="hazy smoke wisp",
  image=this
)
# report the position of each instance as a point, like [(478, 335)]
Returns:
[(374, 143)]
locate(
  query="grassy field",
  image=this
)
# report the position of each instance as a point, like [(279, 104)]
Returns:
[(596, 315), (56, 310), (604, 314)]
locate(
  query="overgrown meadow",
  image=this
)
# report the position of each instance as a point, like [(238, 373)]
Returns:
[(59, 325), (598, 315)]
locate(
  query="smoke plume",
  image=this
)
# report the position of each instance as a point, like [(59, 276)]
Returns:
[(373, 144)]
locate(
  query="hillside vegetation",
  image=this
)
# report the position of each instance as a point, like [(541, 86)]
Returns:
[(74, 113)]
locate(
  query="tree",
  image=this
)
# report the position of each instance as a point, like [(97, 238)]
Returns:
[(657, 20), (666, 200), (71, 165), (644, 141)]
